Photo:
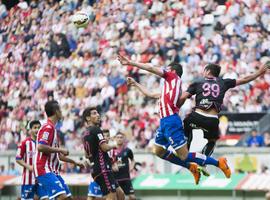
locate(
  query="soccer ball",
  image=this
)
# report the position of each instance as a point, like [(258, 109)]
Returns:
[(80, 19)]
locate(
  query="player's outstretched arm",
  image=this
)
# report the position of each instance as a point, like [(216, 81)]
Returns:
[(142, 89), (47, 149), (106, 147), (255, 75), (69, 160), (24, 164), (145, 66)]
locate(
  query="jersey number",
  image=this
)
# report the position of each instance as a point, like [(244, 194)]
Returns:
[(210, 89)]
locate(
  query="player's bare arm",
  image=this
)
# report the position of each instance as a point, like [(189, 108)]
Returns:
[(183, 98), (144, 66), (142, 89), (107, 147), (255, 75), (70, 160), (131, 165), (24, 164), (48, 149)]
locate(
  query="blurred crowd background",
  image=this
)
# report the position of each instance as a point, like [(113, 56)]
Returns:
[(43, 56)]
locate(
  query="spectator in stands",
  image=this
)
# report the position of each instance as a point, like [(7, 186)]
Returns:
[(41, 51), (266, 137), (2, 170), (12, 170), (3, 10), (255, 139)]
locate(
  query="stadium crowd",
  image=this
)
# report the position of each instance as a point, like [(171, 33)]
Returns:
[(43, 56)]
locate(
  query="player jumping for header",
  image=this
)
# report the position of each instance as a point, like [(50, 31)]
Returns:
[(171, 130)]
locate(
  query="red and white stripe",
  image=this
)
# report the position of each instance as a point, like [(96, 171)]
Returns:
[(170, 94), (26, 152), (45, 163)]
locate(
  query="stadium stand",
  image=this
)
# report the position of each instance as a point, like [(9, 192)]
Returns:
[(43, 56)]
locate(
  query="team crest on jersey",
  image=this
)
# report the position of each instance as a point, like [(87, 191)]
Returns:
[(45, 136)]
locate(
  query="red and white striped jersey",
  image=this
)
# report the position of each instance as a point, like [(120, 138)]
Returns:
[(172, 90), (26, 152), (49, 162)]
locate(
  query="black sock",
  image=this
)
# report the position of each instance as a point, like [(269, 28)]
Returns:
[(209, 148)]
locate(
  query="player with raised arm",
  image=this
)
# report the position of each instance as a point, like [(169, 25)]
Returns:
[(209, 93), (170, 132), (96, 149), (47, 154), (124, 159), (25, 158)]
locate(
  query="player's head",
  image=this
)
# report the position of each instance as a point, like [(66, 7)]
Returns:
[(212, 70), (52, 109), (106, 134), (91, 116), (34, 126), (120, 138), (177, 68)]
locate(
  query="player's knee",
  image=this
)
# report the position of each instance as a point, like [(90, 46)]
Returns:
[(183, 157), (120, 194), (111, 196), (159, 151), (62, 197), (182, 153), (267, 196), (132, 197)]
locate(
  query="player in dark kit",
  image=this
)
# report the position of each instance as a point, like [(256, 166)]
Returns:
[(124, 159), (96, 149), (209, 93)]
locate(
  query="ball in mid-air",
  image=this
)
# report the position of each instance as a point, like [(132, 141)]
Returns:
[(80, 19)]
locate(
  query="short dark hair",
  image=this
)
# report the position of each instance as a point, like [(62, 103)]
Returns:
[(34, 122), (51, 107), (87, 112), (120, 133), (213, 68), (177, 67), (106, 131)]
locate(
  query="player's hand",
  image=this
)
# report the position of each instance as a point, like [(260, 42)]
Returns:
[(130, 81), (267, 64), (123, 60), (64, 152), (80, 164), (264, 68), (30, 168), (113, 144)]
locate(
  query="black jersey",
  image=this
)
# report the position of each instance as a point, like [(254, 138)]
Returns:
[(121, 157), (210, 92), (92, 140)]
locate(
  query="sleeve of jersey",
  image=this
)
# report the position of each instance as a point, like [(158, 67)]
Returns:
[(21, 151), (100, 137), (192, 89), (230, 83), (167, 75), (130, 154), (46, 136)]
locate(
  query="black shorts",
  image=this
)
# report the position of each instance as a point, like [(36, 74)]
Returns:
[(209, 125), (126, 186), (107, 183)]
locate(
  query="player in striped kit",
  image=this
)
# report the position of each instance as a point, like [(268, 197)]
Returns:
[(48, 153), (24, 157), (170, 132)]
